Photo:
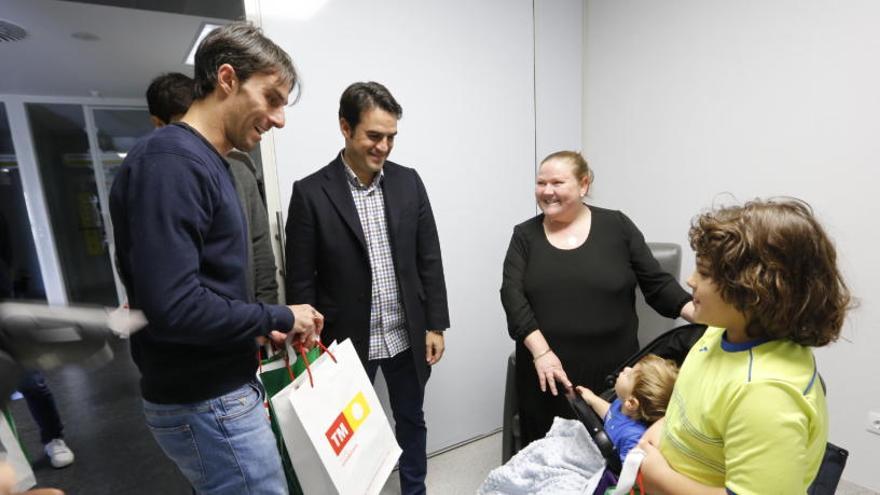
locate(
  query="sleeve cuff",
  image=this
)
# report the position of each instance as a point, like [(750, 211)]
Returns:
[(281, 318), (526, 330), (688, 298)]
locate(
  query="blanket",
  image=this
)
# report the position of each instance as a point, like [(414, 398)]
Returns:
[(564, 462)]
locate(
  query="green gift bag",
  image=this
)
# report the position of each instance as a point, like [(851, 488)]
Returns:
[(275, 374), (637, 488), (13, 453)]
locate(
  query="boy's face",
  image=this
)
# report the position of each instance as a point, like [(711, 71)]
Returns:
[(709, 307), (625, 383)]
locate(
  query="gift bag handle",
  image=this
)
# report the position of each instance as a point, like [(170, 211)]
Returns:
[(301, 350), (286, 363), (639, 484)]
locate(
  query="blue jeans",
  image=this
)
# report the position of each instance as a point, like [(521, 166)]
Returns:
[(223, 445), (407, 397), (42, 405)]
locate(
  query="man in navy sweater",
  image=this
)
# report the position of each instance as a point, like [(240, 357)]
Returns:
[(182, 251)]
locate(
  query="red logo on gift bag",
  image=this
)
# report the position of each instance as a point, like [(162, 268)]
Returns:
[(339, 433), (348, 421)]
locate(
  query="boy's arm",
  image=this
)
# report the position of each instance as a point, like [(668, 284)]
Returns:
[(598, 404), (660, 478)]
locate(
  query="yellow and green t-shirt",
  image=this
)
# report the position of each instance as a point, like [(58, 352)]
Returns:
[(750, 417)]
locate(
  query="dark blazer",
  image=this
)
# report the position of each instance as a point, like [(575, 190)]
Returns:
[(328, 265)]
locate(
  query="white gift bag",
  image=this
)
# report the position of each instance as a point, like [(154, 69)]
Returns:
[(335, 430), (11, 453)]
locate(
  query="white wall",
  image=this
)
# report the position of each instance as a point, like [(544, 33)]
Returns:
[(558, 82), (687, 99), (463, 72)]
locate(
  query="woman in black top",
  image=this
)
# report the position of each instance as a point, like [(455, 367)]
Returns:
[(569, 292)]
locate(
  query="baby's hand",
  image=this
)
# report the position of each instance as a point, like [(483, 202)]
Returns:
[(586, 394)]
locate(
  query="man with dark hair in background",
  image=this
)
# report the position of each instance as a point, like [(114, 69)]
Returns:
[(168, 98), (182, 249), (362, 247)]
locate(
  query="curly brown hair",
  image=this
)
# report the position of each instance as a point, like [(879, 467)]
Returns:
[(653, 381), (775, 264)]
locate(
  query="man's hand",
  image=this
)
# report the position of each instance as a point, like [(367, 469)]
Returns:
[(549, 369), (307, 323), (434, 347)]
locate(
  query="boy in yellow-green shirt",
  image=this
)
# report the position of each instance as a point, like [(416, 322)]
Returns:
[(748, 411)]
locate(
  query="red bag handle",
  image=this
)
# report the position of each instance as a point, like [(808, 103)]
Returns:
[(301, 350), (639, 484), (286, 362)]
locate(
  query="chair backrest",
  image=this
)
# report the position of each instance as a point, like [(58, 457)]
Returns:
[(651, 324)]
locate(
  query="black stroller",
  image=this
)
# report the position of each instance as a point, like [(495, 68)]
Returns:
[(674, 345)]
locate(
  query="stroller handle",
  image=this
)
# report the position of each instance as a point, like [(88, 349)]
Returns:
[(596, 428)]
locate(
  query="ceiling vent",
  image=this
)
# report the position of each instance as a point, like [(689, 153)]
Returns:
[(11, 32)]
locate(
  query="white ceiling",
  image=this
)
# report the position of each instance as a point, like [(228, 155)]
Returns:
[(134, 46)]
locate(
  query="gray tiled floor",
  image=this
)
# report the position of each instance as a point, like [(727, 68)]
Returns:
[(462, 470), (847, 488), (458, 471)]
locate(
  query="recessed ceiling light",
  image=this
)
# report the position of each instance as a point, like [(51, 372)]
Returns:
[(85, 36), (203, 31), (11, 32)]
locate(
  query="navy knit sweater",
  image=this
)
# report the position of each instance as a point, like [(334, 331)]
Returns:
[(182, 255)]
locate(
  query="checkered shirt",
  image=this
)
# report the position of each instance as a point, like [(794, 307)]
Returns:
[(388, 335)]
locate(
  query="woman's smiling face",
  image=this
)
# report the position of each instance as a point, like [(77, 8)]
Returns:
[(558, 191)]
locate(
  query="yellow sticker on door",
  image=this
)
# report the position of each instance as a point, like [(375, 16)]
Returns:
[(348, 422)]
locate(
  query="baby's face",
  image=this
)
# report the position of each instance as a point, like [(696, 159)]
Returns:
[(625, 383)]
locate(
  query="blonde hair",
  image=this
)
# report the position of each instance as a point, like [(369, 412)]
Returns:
[(653, 381), (577, 162)]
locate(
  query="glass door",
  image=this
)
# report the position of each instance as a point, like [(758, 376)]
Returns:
[(20, 276), (78, 150), (61, 147), (116, 130)]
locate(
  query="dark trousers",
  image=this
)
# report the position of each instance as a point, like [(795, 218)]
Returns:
[(407, 396), (42, 405)]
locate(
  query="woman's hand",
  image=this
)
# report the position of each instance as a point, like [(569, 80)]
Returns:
[(687, 312), (550, 371)]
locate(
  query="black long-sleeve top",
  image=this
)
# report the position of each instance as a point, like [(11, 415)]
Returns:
[(583, 299)]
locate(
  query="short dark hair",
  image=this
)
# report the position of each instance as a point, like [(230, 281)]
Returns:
[(362, 96), (773, 262), (243, 46), (169, 95)]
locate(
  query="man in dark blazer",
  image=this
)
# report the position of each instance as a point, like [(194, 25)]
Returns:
[(363, 249)]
